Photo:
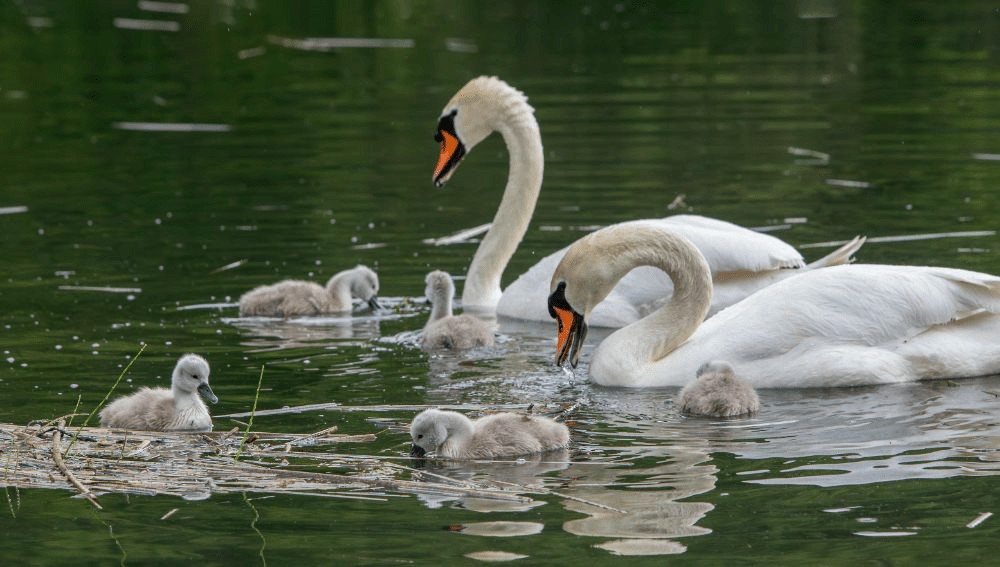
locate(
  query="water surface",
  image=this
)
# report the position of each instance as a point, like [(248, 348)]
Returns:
[(152, 176)]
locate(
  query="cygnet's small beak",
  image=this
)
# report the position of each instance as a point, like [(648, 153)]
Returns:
[(417, 451), (373, 303), (206, 392)]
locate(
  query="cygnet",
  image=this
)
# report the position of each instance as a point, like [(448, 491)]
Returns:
[(718, 392), (160, 409), (454, 436), (297, 298), (444, 330)]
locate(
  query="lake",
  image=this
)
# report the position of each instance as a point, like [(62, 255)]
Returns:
[(160, 159)]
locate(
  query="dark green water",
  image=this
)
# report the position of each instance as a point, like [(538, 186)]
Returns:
[(325, 162)]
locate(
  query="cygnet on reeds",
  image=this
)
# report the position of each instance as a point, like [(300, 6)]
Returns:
[(452, 435), (444, 330), (160, 409), (298, 298), (718, 392)]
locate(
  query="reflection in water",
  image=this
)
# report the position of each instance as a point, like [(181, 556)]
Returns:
[(501, 529), (533, 472), (274, 334), (644, 498), (267, 334)]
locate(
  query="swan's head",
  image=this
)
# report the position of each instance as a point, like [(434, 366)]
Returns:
[(191, 375), (476, 110), (584, 277), (439, 286), (363, 282), (428, 432)]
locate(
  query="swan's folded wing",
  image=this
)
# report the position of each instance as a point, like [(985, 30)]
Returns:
[(858, 304), (731, 248)]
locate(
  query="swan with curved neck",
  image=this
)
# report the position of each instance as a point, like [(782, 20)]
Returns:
[(845, 325), (742, 260)]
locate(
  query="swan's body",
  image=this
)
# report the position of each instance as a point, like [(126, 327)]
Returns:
[(447, 331), (454, 436), (742, 260), (718, 392), (297, 298), (160, 409), (840, 326)]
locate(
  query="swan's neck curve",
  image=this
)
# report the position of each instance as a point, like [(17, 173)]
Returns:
[(620, 358), (520, 132)]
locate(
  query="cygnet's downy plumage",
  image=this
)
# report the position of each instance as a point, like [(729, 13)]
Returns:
[(454, 436), (718, 392), (160, 409), (444, 330), (297, 298)]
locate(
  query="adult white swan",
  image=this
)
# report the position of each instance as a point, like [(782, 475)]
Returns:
[(840, 326), (741, 260)]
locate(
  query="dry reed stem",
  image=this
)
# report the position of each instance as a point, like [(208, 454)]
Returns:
[(57, 457)]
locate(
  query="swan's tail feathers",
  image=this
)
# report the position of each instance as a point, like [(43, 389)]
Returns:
[(842, 255)]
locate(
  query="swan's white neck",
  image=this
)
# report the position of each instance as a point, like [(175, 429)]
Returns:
[(524, 143), (620, 358)]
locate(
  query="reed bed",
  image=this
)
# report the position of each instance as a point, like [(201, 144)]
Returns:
[(196, 465)]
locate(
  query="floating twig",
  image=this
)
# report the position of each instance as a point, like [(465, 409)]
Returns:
[(57, 457)]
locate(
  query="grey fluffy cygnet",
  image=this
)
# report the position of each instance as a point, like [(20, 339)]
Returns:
[(444, 330), (297, 298), (452, 435), (160, 409), (718, 392)]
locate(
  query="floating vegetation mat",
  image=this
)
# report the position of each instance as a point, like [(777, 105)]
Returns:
[(196, 465)]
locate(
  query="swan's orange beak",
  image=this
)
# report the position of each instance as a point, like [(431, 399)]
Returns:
[(452, 148), (452, 152), (572, 329)]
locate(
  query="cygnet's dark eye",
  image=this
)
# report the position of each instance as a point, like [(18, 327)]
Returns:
[(421, 436), (195, 376)]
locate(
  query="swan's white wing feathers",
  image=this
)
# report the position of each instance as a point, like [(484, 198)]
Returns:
[(728, 247)]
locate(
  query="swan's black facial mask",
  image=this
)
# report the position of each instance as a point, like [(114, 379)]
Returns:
[(572, 328), (452, 149)]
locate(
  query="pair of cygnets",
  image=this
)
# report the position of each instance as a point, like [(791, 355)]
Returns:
[(715, 392), (158, 409), (298, 298)]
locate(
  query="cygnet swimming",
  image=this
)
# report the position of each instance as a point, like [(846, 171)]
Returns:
[(452, 435), (718, 392), (160, 409), (444, 330), (297, 298)]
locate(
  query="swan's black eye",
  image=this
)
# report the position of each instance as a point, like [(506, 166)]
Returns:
[(438, 137)]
